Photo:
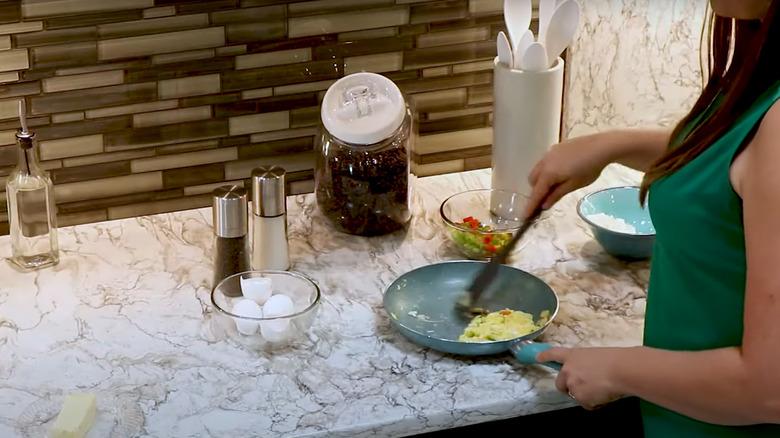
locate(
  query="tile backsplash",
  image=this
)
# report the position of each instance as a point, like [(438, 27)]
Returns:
[(145, 106)]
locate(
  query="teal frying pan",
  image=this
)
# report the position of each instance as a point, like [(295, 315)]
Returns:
[(421, 305)]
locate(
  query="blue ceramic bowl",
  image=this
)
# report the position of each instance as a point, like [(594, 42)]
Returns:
[(619, 222)]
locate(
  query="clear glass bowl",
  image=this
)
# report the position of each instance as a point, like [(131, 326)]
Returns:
[(496, 224), (304, 293)]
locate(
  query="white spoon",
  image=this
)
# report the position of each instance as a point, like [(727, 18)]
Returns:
[(504, 51), (546, 9), (522, 46), (517, 15), (535, 58), (563, 26)]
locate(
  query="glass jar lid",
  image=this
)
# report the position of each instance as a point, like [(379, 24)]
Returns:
[(363, 108)]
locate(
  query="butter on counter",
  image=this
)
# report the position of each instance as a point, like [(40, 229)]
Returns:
[(75, 418)]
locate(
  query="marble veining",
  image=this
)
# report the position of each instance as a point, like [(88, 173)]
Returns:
[(634, 63), (126, 314)]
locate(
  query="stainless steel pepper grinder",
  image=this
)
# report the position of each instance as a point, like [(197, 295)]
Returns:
[(269, 220), (231, 254)]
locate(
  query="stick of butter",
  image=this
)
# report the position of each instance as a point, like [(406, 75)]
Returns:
[(75, 418)]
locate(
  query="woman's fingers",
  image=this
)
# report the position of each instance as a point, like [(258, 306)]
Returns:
[(556, 194), (541, 189)]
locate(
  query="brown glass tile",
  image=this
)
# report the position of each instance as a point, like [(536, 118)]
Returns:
[(433, 56), (439, 11), (475, 163), (32, 122), (357, 35), (398, 76), (278, 147), (10, 12), (347, 21), (454, 124), (298, 9), (238, 33), (233, 141), (245, 15), (59, 36), (304, 117), (4, 228), (291, 43), (108, 187), (163, 135), (209, 100), (85, 127), (253, 3), (153, 25), (192, 146), (466, 22), (480, 94), (452, 155), (155, 44), (412, 29), (270, 104), (64, 55), (7, 156), (93, 19), (195, 175), (92, 204), (86, 217), (192, 7), (455, 36), (280, 75), (20, 89), (363, 47), (157, 207), (93, 98), (35, 75), (179, 70), (300, 187), (439, 83), (93, 171), (135, 64)]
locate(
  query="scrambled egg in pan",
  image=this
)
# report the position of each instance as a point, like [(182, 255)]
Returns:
[(502, 325)]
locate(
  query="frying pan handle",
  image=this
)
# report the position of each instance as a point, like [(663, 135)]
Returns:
[(526, 352)]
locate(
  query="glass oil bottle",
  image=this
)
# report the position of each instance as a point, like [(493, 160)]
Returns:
[(31, 208)]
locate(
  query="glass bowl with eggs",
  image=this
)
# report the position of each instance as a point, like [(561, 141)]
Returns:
[(266, 307)]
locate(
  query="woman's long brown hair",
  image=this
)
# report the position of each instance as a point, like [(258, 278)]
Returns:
[(742, 66)]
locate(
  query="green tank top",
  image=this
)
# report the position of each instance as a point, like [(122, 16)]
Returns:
[(696, 292)]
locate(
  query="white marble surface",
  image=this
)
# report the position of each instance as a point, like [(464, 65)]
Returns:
[(634, 63), (126, 315)]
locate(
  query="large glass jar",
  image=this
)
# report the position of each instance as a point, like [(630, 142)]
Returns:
[(362, 173)]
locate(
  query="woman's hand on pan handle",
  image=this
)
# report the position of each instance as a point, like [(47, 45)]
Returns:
[(578, 162)]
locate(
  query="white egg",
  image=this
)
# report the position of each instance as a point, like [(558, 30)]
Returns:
[(247, 308), (275, 330), (257, 289), (278, 305)]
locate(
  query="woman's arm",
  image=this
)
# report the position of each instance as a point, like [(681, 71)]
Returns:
[(734, 386), (635, 148), (578, 161)]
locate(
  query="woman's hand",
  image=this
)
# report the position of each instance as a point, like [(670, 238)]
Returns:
[(586, 375), (577, 162), (566, 167)]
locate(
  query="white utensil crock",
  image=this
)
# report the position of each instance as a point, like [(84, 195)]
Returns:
[(526, 122)]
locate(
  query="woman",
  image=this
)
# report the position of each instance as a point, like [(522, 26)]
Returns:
[(709, 364)]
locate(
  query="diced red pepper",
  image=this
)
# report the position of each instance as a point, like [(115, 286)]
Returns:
[(469, 219), (490, 248), (473, 225), (487, 239)]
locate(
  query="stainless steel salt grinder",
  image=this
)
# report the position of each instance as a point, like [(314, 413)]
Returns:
[(269, 220), (231, 254)]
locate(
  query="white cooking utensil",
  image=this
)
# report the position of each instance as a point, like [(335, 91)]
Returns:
[(517, 15), (560, 32), (546, 9), (522, 46), (535, 58), (504, 50)]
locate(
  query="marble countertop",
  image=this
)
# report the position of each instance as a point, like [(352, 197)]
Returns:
[(126, 315)]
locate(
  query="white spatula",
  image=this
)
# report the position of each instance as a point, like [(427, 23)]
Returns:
[(517, 15), (560, 32), (535, 58)]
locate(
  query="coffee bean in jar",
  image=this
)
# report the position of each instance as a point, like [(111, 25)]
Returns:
[(362, 176)]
